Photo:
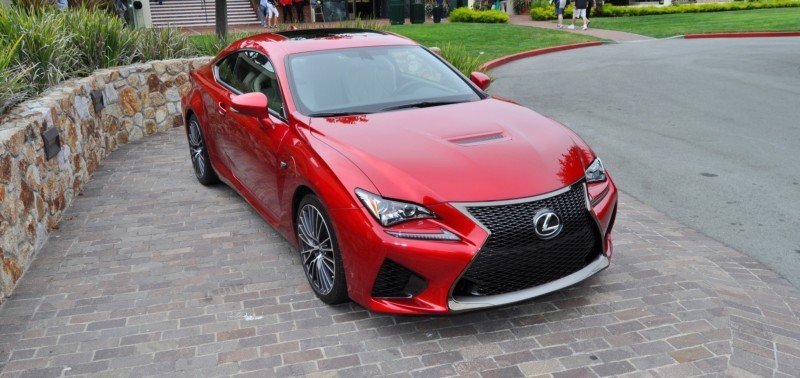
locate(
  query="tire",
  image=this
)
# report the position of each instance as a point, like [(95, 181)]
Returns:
[(319, 251), (199, 153)]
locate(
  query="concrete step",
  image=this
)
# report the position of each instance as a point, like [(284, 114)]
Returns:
[(191, 13)]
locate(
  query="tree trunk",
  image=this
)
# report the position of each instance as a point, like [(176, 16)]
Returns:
[(221, 7)]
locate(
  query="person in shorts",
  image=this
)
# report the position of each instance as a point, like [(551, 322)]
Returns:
[(580, 11), (560, 5), (270, 12)]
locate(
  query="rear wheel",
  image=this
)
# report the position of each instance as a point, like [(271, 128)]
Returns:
[(199, 153), (319, 251)]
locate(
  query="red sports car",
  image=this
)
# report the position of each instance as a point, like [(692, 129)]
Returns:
[(404, 186)]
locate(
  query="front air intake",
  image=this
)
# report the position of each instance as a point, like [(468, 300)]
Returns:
[(396, 281)]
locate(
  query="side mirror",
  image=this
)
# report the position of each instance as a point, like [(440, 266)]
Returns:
[(480, 79), (253, 104)]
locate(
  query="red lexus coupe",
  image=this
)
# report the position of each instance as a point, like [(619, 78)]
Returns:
[(404, 186)]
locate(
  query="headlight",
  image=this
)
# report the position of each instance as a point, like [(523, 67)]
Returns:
[(389, 212), (596, 172)]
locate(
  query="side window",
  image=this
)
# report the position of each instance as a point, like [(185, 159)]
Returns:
[(225, 69), (250, 71), (266, 82)]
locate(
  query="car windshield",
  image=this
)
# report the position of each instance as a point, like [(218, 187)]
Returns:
[(372, 80)]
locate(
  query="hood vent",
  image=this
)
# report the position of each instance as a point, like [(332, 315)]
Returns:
[(475, 139)]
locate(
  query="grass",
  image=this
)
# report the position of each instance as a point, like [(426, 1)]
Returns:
[(669, 25), (460, 42), (487, 41)]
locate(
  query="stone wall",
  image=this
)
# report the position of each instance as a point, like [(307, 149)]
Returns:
[(93, 116)]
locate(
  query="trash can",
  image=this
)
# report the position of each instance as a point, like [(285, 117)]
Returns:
[(417, 12), (140, 13), (396, 12), (437, 14)]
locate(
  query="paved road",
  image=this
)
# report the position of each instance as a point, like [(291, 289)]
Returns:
[(706, 131), (152, 274)]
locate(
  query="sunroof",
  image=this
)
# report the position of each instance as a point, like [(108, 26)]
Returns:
[(326, 33)]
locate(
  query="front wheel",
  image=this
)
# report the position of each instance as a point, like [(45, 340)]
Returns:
[(319, 251), (199, 154)]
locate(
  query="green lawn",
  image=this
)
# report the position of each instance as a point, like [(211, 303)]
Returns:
[(669, 25), (484, 41), (488, 41)]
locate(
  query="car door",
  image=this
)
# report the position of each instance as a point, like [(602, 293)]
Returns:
[(257, 142), (217, 102)]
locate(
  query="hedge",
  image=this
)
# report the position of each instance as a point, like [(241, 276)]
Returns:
[(547, 12), (465, 14)]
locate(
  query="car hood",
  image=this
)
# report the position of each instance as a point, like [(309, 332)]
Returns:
[(477, 151)]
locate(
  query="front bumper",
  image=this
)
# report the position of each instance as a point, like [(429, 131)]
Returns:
[(436, 267)]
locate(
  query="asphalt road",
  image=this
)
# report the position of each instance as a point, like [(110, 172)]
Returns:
[(706, 131)]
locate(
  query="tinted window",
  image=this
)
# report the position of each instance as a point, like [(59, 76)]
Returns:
[(372, 79), (250, 71)]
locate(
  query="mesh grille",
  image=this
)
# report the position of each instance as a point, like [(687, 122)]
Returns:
[(395, 281), (514, 258)]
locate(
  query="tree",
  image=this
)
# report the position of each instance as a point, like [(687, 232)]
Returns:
[(221, 7)]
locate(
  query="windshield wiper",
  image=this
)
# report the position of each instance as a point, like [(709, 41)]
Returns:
[(422, 104), (336, 114)]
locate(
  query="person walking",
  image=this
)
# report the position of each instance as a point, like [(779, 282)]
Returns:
[(580, 11), (560, 5), (287, 11), (268, 10)]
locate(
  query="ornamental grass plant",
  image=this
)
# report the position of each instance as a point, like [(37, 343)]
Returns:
[(460, 58), (161, 43), (12, 76), (42, 45), (101, 39), (45, 47)]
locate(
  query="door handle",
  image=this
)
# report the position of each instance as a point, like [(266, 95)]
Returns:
[(221, 108)]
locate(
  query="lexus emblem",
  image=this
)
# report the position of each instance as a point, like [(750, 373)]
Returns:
[(546, 224)]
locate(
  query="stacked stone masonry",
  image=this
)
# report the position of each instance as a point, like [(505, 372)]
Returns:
[(93, 116)]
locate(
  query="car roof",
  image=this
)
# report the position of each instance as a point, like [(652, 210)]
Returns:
[(298, 41)]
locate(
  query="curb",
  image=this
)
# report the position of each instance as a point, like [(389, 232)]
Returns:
[(743, 35), (492, 64)]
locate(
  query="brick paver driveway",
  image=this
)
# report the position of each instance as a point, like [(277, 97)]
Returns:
[(153, 274)]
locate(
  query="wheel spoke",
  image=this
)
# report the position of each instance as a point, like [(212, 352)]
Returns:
[(324, 244), (196, 148), (319, 226), (324, 277), (316, 249)]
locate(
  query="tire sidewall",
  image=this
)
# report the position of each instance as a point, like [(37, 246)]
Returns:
[(209, 177), (338, 293)]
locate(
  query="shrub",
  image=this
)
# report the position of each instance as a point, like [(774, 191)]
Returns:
[(41, 46), (212, 45), (486, 17), (547, 11), (461, 59), (361, 24), (46, 45), (12, 76), (162, 43), (101, 38), (520, 6)]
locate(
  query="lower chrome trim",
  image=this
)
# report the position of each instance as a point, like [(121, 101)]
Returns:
[(473, 303)]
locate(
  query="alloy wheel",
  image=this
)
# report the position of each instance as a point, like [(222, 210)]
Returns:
[(316, 249), (197, 148)]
